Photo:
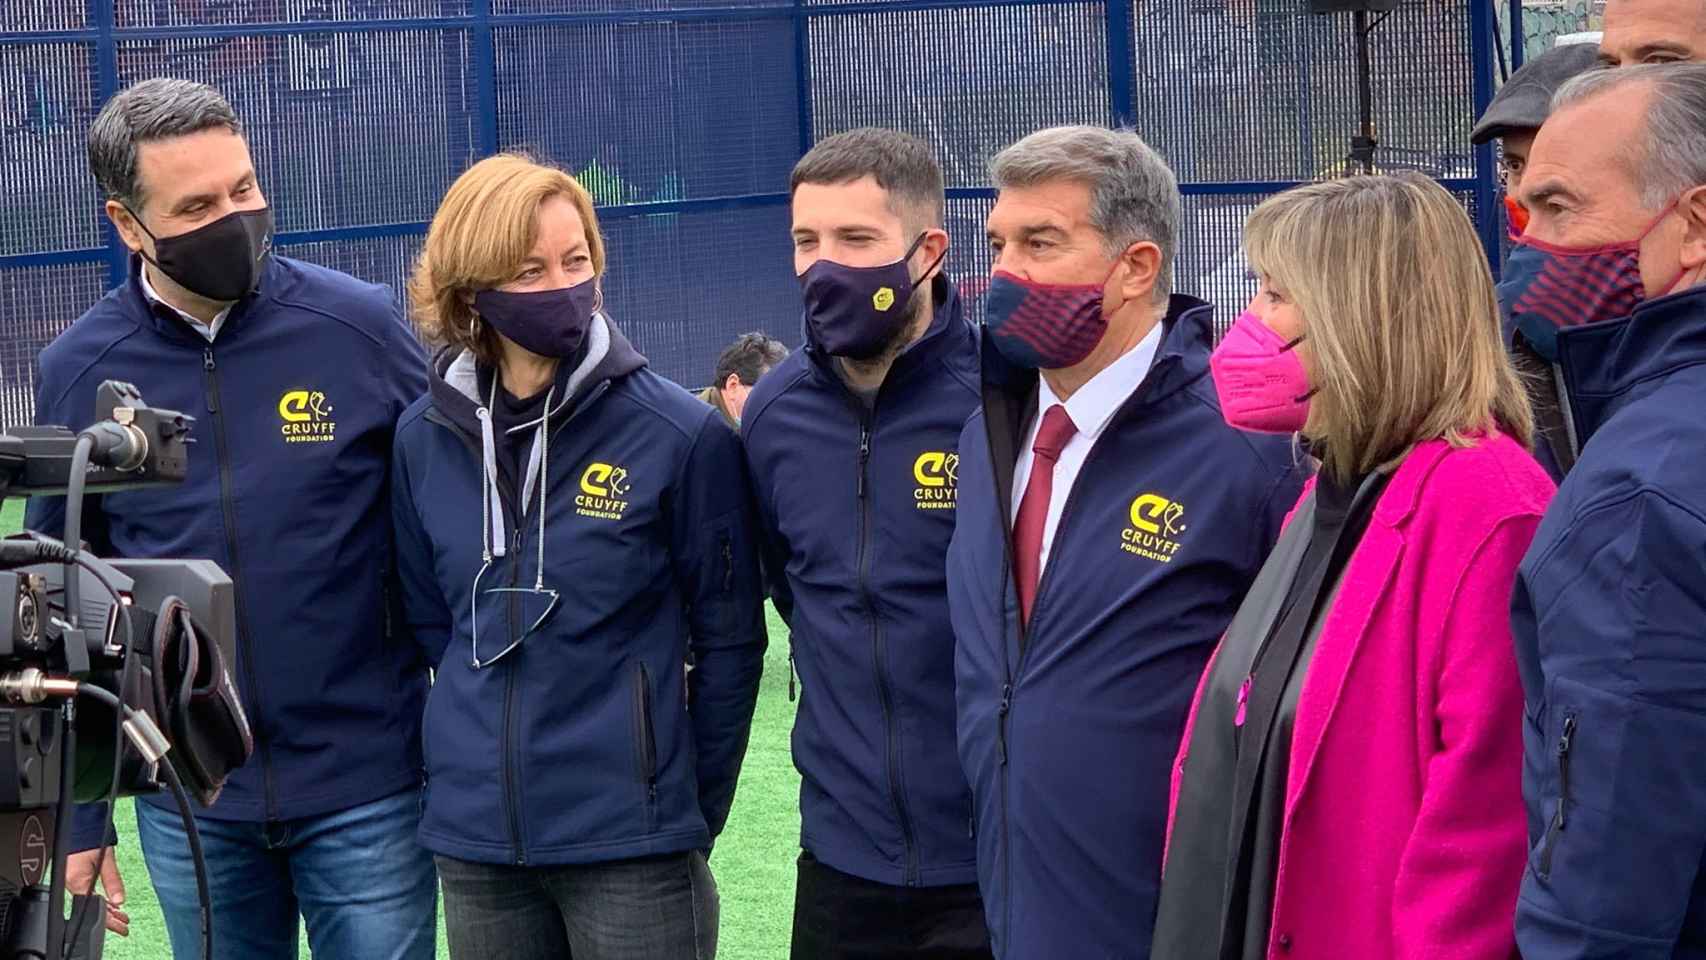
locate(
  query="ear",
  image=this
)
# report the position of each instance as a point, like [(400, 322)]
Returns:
[(933, 252), (1142, 261), (1692, 209), (129, 233), (732, 382)]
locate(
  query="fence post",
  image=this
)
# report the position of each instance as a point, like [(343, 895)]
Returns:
[(485, 76), (106, 84), (1122, 63), (1519, 48), (803, 72), (1483, 32)]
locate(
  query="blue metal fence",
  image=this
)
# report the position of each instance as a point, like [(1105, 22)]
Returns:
[(684, 117)]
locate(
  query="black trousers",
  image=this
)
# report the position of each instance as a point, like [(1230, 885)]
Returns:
[(842, 917)]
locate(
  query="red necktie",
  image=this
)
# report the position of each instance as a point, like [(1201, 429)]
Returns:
[(1052, 437)]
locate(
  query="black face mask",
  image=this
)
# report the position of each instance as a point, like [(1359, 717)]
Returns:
[(220, 261)]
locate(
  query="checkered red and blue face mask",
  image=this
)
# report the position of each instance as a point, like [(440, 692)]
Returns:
[(1547, 287)]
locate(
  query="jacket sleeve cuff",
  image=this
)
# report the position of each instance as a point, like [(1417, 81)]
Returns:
[(89, 830)]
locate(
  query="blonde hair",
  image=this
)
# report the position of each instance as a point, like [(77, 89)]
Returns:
[(484, 228), (1400, 314)]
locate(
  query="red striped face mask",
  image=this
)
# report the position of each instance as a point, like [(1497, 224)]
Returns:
[(1048, 326), (1548, 287)]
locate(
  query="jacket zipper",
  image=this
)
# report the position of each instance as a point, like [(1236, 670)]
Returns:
[(1560, 817), (728, 564), (228, 505), (1566, 413), (1007, 693), (645, 743), (512, 788), (884, 694)]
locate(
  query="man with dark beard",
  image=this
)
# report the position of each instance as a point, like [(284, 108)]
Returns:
[(853, 444)]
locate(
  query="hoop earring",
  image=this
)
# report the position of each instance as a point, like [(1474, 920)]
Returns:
[(474, 326), (598, 296)]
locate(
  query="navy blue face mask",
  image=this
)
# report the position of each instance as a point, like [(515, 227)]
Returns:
[(859, 312), (550, 323)]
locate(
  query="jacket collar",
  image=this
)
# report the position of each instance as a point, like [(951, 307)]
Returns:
[(1603, 363), (166, 322)]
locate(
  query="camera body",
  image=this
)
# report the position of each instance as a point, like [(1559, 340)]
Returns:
[(154, 634)]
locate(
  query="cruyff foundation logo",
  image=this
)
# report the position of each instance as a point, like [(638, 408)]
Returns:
[(1156, 526), (603, 493), (937, 474), (307, 417)]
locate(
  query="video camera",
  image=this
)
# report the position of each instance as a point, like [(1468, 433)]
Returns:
[(113, 673)]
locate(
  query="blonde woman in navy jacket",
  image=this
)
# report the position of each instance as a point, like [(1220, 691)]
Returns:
[(570, 527)]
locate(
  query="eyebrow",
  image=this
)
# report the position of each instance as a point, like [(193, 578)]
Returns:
[(192, 200), (1544, 191), (1032, 231), (1646, 50)]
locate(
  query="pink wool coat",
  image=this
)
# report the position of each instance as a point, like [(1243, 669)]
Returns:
[(1404, 834)]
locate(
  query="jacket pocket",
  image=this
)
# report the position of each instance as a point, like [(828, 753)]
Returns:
[(645, 744), (726, 559), (1560, 815)]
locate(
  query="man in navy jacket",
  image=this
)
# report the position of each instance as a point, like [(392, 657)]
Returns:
[(853, 444), (296, 376), (1109, 523), (1609, 611)]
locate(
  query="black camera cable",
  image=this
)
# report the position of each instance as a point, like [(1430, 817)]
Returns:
[(126, 675), (15, 553), (154, 747)]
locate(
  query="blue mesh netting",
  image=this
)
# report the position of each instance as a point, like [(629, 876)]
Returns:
[(684, 118)]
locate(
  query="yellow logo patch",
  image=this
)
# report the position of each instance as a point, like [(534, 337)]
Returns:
[(307, 417), (1156, 525), (883, 299), (937, 473), (604, 488)]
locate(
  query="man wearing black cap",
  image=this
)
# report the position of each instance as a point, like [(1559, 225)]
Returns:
[(1515, 116)]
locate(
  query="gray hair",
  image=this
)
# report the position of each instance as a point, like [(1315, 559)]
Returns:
[(902, 164), (157, 109), (1134, 196), (1670, 158)]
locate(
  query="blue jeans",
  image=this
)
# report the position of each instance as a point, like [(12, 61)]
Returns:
[(362, 885)]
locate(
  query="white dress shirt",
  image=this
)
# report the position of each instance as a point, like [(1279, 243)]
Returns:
[(208, 330), (1090, 408)]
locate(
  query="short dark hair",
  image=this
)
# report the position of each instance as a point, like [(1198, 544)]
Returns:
[(748, 357), (901, 163), (157, 109)]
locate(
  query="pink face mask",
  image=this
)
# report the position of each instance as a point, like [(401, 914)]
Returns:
[(1262, 385)]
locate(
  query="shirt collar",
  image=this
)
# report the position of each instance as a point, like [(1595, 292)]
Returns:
[(208, 330), (1096, 402)]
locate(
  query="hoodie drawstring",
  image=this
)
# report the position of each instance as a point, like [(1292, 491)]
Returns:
[(491, 507), (491, 504)]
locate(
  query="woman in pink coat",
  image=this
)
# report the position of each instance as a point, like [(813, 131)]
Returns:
[(1350, 781)]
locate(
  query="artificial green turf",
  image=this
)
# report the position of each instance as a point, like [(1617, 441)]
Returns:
[(754, 859)]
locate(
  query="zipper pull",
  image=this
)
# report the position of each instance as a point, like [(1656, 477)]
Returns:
[(1564, 743), (1243, 703), (1001, 733), (790, 672), (728, 566), (212, 396), (864, 455)]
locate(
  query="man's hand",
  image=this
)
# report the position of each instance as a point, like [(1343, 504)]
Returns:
[(80, 878)]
